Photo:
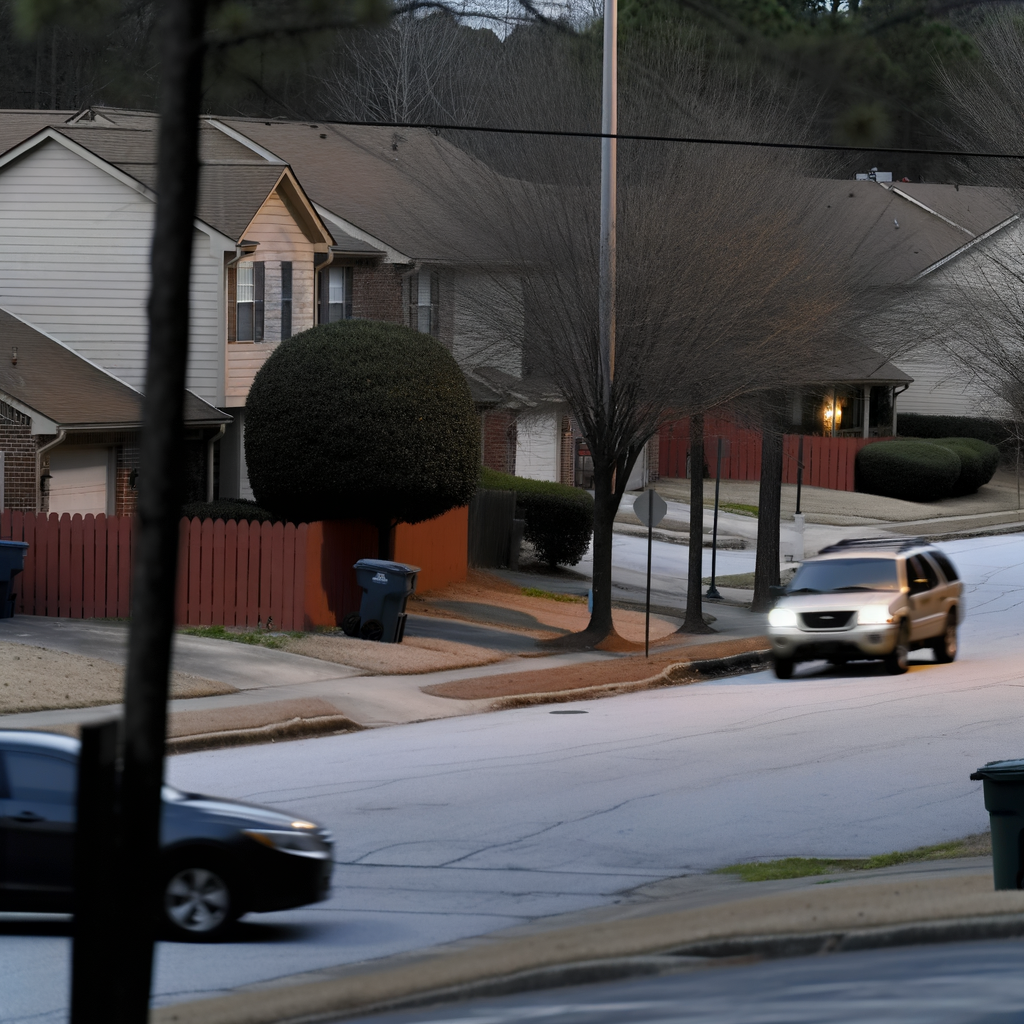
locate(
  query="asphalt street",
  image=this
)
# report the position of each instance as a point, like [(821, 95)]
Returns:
[(463, 826)]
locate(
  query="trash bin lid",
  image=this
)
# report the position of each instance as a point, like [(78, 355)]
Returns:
[(380, 565), (1001, 771), (13, 544)]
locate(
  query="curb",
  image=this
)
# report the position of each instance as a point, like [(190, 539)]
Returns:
[(682, 673), (295, 728)]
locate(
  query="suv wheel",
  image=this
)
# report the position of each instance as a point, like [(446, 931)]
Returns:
[(197, 902), (897, 662), (783, 668), (945, 644)]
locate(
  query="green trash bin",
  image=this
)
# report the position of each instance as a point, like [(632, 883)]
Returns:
[(1004, 801)]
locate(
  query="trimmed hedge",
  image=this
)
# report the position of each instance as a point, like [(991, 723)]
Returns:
[(923, 469), (914, 470), (361, 420), (559, 518), (238, 509), (916, 424)]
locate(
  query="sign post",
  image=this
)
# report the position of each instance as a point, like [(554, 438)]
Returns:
[(650, 509)]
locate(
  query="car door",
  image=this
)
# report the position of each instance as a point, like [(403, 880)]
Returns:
[(926, 598), (37, 828)]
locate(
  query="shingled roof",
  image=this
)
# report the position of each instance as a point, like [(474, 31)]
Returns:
[(41, 374)]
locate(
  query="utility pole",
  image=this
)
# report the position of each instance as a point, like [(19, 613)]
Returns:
[(609, 156)]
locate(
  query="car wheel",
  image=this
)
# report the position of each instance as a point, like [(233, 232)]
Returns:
[(198, 903), (897, 662), (372, 630), (945, 644), (783, 668)]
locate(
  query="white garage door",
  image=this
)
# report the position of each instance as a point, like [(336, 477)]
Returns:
[(78, 480)]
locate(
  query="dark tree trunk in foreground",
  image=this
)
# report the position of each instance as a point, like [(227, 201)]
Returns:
[(769, 515), (606, 505), (156, 552), (694, 622)]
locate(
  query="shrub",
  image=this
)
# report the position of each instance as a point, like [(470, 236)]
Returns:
[(559, 519), (978, 461), (361, 420), (996, 432), (228, 508), (914, 470)]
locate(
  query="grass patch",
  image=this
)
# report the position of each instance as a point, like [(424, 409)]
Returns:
[(550, 596), (979, 845), (739, 508), (745, 580), (255, 637)]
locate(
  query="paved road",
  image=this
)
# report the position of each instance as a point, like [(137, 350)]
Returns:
[(462, 826), (971, 983)]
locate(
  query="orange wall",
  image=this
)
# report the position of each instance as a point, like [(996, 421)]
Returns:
[(439, 547)]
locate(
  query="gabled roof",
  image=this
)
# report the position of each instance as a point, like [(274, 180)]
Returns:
[(57, 383)]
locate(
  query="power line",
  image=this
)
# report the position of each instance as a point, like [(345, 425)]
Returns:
[(550, 132)]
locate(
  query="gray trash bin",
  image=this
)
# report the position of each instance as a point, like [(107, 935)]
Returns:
[(1004, 801), (12, 561), (386, 588)]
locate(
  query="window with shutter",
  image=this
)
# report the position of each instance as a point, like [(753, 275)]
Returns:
[(423, 289), (245, 294), (259, 281), (335, 294)]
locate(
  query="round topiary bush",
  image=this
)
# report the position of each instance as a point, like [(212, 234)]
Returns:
[(361, 420), (912, 470), (978, 462), (559, 519)]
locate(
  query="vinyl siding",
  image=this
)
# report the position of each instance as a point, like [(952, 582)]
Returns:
[(74, 261), (281, 240), (941, 389)]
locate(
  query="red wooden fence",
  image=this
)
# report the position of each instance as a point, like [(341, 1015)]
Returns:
[(230, 574), (828, 461)]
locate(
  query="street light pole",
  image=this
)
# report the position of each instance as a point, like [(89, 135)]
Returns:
[(609, 156)]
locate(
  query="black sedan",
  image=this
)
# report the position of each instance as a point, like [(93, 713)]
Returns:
[(220, 858)]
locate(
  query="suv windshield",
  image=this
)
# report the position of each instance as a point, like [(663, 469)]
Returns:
[(835, 574)]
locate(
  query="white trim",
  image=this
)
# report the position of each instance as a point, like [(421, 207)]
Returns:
[(40, 424), (927, 209), (271, 158), (963, 248), (393, 255)]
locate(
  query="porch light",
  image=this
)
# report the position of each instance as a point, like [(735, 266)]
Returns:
[(833, 415)]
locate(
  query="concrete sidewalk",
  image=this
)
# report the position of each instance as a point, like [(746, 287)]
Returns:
[(706, 918)]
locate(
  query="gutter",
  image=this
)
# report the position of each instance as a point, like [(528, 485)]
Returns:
[(209, 460), (40, 452)]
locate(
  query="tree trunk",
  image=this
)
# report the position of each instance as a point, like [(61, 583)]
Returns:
[(606, 504), (769, 516), (694, 622), (160, 497)]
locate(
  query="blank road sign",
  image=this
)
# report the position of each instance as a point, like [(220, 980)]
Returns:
[(650, 508)]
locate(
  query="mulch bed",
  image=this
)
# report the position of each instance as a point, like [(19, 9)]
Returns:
[(574, 677)]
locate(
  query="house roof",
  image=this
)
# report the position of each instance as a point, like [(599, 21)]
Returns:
[(56, 382), (856, 363)]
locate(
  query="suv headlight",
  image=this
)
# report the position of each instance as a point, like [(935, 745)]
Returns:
[(874, 615), (782, 617), (302, 844)]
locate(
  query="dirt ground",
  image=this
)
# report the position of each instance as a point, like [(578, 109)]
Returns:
[(572, 677), (489, 599), (412, 656), (36, 679)]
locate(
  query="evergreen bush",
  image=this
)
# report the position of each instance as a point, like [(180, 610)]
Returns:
[(995, 432), (559, 519), (914, 470), (361, 420), (238, 509), (978, 462)]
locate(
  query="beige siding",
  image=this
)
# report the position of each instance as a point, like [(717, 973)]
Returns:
[(74, 261), (280, 239)]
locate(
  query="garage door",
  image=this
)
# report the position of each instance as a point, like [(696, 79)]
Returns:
[(78, 480)]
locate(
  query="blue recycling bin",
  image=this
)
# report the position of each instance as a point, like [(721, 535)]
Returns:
[(12, 561), (386, 588)]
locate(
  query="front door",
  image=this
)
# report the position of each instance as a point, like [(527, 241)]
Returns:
[(37, 829)]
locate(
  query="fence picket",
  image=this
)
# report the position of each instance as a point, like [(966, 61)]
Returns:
[(181, 580), (205, 571), (230, 557), (217, 605), (265, 534), (288, 578), (194, 577), (276, 602), (252, 596), (76, 559)]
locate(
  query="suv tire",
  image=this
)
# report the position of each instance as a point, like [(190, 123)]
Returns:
[(783, 668), (896, 663), (945, 644)]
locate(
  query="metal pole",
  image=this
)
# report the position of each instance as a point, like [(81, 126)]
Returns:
[(799, 471), (713, 590), (647, 620), (609, 126)]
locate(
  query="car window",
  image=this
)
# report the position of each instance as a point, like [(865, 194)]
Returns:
[(40, 777), (920, 574), (945, 565), (835, 574)]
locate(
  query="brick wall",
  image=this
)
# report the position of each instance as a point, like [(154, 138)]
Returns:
[(19, 448), (377, 292), (499, 440)]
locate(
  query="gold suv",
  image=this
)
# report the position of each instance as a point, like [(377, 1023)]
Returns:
[(868, 598)]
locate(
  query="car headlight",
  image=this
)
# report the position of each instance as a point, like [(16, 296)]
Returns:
[(874, 615), (782, 617), (302, 844)]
